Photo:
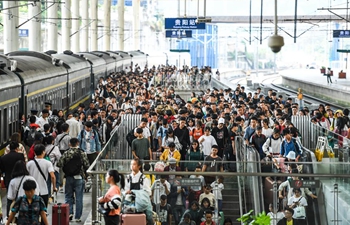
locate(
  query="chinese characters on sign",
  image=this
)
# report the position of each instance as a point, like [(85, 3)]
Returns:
[(178, 33), (341, 33), (305, 183), (23, 32), (189, 182), (183, 23)]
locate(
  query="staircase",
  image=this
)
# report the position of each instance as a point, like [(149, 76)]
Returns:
[(230, 202)]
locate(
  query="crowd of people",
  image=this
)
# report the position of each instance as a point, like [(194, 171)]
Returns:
[(196, 134)]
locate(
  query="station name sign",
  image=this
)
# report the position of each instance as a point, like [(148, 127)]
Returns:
[(178, 34), (183, 23), (341, 33)]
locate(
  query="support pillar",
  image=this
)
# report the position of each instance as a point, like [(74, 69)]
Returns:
[(94, 31), (66, 25), (121, 25), (136, 24), (52, 27), (10, 20), (35, 27), (75, 26), (84, 30), (107, 25)]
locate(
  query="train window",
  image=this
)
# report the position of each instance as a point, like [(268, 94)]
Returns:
[(10, 120), (1, 133), (5, 136)]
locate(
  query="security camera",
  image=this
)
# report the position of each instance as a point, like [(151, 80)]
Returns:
[(275, 43)]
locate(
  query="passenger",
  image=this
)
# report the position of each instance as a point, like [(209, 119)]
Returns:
[(182, 133), (72, 121), (89, 142), (220, 133), (112, 198), (163, 210), (194, 156), (42, 169), (289, 144), (29, 206), (258, 140), (196, 191), (288, 218), (171, 153), (194, 213), (217, 187), (53, 154), (160, 187), (15, 188), (212, 163), (161, 133), (206, 142), (44, 119), (289, 189), (15, 137), (298, 203), (207, 194), (275, 215), (250, 130), (272, 144), (208, 218), (74, 185), (187, 220), (169, 138), (136, 180), (177, 198)]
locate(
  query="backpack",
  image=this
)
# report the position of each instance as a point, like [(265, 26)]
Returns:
[(130, 137), (73, 166), (30, 136)]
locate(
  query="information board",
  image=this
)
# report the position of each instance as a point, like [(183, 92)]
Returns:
[(178, 33), (341, 33), (183, 23)]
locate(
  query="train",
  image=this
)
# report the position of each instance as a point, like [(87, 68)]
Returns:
[(29, 78)]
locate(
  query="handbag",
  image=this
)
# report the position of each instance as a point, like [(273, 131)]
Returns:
[(299, 212), (103, 210)]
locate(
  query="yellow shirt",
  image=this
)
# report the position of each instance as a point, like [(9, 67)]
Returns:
[(290, 222), (166, 155)]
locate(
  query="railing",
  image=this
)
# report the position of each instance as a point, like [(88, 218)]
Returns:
[(250, 188)]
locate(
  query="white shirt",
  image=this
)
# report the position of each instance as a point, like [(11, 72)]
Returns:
[(55, 155), (74, 127), (159, 190), (41, 122), (13, 187), (218, 191), (207, 143), (146, 185), (46, 168), (273, 216)]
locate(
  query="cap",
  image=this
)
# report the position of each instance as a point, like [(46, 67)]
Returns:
[(47, 103), (172, 161), (291, 155), (34, 111), (163, 197), (221, 120)]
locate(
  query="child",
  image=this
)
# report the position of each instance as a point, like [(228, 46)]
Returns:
[(218, 186), (29, 206)]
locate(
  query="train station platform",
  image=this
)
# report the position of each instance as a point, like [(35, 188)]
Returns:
[(312, 82)]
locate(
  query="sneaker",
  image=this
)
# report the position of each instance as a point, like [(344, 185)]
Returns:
[(71, 217), (78, 220), (61, 190)]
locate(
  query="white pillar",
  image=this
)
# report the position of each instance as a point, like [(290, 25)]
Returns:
[(66, 25), (107, 25), (121, 25), (94, 17), (10, 21), (85, 26), (136, 24), (52, 27), (75, 26), (35, 27)]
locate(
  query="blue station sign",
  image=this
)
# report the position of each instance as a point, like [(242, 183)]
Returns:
[(178, 33), (341, 33), (183, 23), (23, 32)]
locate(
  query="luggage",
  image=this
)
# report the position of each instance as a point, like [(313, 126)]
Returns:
[(133, 219), (60, 213)]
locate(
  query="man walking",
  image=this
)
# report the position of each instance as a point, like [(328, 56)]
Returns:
[(74, 164), (89, 142)]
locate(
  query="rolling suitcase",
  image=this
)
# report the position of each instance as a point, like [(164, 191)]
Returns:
[(133, 219), (60, 213)]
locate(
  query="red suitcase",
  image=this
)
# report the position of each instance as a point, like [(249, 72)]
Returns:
[(60, 214), (133, 219)]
